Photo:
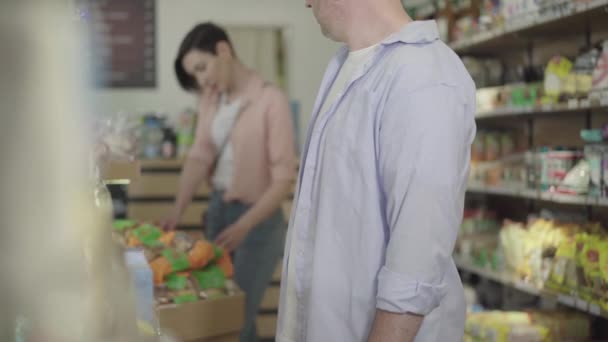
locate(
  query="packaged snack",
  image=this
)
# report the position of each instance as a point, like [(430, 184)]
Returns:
[(492, 146), (212, 277), (507, 144), (593, 155), (199, 256), (591, 269), (605, 172), (577, 180), (225, 263), (603, 267), (563, 263), (600, 73), (177, 289), (556, 73), (478, 150), (574, 279)]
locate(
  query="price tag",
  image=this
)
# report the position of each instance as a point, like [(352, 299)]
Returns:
[(585, 103), (595, 309), (566, 300), (573, 104)]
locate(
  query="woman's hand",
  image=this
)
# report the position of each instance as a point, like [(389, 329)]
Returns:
[(232, 237), (171, 222)]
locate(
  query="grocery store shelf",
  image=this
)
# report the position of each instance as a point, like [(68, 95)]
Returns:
[(161, 163), (119, 171), (573, 18), (510, 280), (536, 195), (572, 107)]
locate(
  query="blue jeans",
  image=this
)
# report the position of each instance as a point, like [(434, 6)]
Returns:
[(255, 259)]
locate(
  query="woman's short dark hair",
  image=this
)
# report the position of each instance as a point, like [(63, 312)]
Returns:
[(203, 37)]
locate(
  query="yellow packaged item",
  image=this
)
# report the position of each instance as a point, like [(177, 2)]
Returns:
[(564, 261)]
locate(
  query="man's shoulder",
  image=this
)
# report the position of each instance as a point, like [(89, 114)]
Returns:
[(423, 65)]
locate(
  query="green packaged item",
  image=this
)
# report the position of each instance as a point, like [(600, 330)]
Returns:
[(218, 252), (176, 282), (210, 278), (185, 298), (148, 235), (122, 225), (179, 261)]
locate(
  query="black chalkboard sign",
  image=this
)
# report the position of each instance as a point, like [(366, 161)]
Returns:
[(123, 43)]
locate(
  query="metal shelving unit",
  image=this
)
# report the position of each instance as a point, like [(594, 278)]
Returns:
[(566, 19), (511, 280), (538, 195), (573, 107)]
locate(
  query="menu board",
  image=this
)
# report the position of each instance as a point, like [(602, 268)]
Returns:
[(123, 44)]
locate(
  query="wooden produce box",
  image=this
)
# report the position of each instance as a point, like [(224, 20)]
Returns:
[(116, 170), (211, 320)]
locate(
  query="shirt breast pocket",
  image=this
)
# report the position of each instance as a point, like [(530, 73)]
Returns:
[(352, 125)]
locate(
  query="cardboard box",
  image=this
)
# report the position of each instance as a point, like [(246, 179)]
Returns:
[(212, 320), (116, 170)]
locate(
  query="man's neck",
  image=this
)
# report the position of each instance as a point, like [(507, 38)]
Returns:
[(373, 21)]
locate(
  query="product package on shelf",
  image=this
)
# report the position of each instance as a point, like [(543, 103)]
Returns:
[(530, 326), (494, 161), (478, 238), (581, 266), (567, 258)]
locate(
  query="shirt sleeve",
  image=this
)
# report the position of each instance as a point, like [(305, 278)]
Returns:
[(423, 149), (202, 148), (280, 139)]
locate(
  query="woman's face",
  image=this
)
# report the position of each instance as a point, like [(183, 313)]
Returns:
[(209, 71)]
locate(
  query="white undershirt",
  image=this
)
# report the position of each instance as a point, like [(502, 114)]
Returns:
[(354, 61), (221, 128)]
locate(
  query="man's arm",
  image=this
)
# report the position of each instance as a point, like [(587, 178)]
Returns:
[(423, 155), (391, 327)]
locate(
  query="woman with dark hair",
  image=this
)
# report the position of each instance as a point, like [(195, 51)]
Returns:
[(244, 146)]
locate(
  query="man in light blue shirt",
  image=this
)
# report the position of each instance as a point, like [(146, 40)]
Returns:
[(381, 190)]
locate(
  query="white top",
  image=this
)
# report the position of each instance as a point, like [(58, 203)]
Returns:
[(221, 128), (355, 60)]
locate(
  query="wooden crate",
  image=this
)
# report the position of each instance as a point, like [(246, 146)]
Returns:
[(153, 211)]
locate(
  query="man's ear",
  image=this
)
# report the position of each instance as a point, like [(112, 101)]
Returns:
[(223, 49)]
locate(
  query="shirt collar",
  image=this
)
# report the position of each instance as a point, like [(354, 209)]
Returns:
[(415, 32)]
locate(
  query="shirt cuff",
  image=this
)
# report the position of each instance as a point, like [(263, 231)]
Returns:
[(397, 293)]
